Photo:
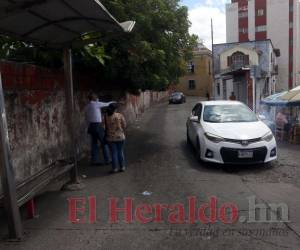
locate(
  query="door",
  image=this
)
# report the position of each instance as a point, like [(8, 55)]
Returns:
[(240, 89)]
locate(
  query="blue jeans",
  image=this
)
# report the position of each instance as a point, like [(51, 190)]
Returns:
[(117, 154), (97, 133)]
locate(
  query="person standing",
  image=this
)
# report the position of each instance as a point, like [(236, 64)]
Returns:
[(115, 135), (282, 120), (96, 129), (232, 97)]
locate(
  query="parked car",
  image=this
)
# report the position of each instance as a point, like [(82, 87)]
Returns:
[(177, 97), (271, 124), (228, 132)]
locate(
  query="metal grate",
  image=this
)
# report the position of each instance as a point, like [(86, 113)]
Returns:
[(230, 156)]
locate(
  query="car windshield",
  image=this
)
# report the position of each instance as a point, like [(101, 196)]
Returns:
[(176, 94), (228, 113)]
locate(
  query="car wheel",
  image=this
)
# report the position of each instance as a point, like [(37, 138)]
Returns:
[(198, 151)]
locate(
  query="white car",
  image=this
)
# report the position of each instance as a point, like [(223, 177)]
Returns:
[(228, 132)]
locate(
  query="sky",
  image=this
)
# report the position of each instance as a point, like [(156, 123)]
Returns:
[(200, 14)]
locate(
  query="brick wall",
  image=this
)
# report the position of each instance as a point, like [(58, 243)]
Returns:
[(35, 106)]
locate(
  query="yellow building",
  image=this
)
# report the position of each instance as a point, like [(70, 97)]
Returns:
[(199, 77)]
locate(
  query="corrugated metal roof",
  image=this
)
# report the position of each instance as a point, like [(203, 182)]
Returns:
[(56, 23)]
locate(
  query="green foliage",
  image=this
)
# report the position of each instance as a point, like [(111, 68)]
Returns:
[(150, 57), (154, 54), (11, 49)]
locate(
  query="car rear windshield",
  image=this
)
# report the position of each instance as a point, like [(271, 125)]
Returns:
[(228, 113)]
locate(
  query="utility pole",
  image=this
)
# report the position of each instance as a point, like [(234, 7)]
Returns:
[(69, 92), (213, 63)]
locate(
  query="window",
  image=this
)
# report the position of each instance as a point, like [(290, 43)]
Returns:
[(238, 59), (261, 28), (243, 30), (224, 90), (197, 110), (192, 84), (191, 67), (243, 14), (271, 57), (260, 12), (218, 89), (228, 113)]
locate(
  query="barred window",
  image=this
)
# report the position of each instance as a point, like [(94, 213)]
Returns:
[(243, 30), (238, 59), (260, 12), (192, 84)]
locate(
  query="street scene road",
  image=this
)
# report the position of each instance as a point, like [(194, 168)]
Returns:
[(162, 169), (155, 124)]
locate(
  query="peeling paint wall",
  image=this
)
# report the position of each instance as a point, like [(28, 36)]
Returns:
[(36, 113)]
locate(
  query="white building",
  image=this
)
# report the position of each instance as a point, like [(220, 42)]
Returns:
[(277, 20), (248, 69)]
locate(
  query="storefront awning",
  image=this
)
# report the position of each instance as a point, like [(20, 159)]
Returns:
[(56, 23)]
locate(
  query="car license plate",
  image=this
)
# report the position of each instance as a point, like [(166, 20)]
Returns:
[(245, 154)]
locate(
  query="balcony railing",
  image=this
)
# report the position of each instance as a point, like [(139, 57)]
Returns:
[(234, 67)]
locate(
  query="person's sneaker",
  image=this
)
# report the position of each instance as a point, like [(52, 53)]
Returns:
[(113, 171), (122, 169)]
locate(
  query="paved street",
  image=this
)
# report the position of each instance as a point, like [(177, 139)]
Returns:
[(160, 162)]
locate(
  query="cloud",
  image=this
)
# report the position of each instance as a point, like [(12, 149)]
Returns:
[(200, 16)]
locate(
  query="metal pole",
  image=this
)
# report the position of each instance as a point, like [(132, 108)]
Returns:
[(70, 109), (8, 176), (213, 62)]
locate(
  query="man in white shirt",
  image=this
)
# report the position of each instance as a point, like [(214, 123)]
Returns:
[(96, 129)]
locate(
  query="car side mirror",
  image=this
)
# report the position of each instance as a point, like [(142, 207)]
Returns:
[(194, 119)]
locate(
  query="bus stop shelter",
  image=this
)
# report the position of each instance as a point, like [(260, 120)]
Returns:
[(61, 24)]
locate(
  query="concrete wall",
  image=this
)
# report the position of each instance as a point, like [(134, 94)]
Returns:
[(232, 24), (278, 32), (296, 44), (251, 20), (36, 113)]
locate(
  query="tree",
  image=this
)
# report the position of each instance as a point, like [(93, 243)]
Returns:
[(155, 53)]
